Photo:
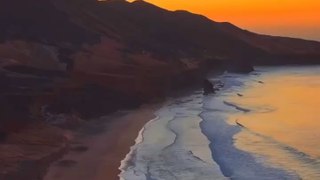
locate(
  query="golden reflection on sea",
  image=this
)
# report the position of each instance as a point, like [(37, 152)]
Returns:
[(283, 126)]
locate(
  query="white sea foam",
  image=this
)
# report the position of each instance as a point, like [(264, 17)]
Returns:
[(172, 146), (126, 161)]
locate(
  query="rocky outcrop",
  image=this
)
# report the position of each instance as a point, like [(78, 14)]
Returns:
[(208, 87)]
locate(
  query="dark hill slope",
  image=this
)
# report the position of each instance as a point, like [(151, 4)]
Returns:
[(39, 20), (145, 27), (281, 49), (137, 49)]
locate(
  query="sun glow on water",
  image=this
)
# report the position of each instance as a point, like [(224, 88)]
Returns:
[(284, 122)]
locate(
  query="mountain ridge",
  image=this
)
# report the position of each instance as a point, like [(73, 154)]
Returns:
[(119, 45)]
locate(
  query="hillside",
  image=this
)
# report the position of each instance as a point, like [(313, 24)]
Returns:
[(282, 50), (136, 49)]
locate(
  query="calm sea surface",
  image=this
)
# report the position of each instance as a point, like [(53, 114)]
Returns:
[(282, 128)]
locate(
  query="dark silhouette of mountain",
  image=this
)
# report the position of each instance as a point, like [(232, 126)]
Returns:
[(137, 49), (141, 26)]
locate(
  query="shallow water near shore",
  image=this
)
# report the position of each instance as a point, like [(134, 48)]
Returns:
[(264, 125)]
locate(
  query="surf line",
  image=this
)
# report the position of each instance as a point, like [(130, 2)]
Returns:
[(291, 150), (236, 107)]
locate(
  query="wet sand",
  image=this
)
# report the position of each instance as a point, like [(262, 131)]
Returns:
[(97, 149)]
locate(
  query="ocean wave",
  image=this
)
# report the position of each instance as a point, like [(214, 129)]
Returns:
[(173, 147), (233, 162), (245, 110), (299, 154), (129, 159), (284, 155)]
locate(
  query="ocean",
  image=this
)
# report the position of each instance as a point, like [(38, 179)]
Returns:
[(260, 126)]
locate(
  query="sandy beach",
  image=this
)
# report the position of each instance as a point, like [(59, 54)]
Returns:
[(97, 149)]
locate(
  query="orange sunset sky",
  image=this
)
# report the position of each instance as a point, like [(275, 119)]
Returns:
[(296, 18)]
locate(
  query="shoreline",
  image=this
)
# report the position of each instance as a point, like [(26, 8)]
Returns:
[(98, 149)]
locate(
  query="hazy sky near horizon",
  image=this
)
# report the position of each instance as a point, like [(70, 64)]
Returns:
[(295, 18)]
